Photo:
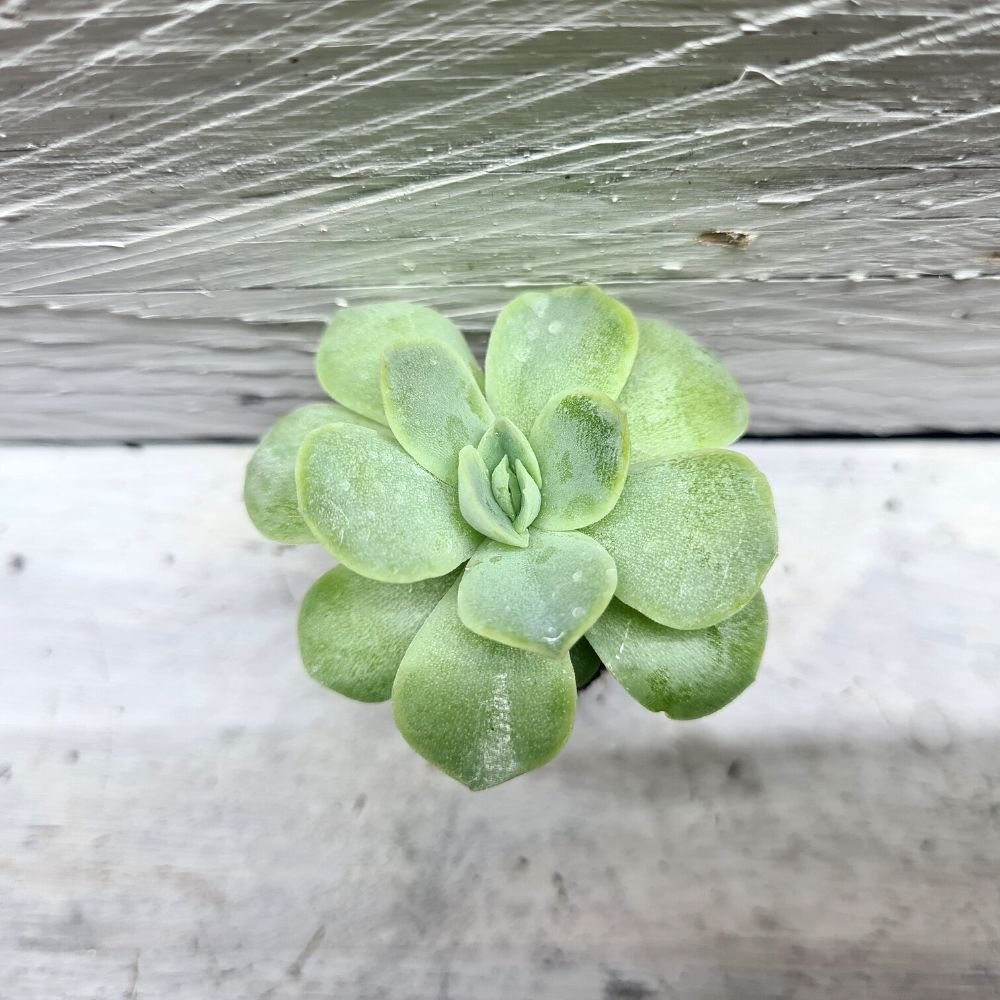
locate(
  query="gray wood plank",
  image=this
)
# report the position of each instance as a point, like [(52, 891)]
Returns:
[(883, 358), (259, 161), (187, 814)]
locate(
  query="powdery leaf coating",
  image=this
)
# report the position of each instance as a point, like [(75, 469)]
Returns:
[(685, 673), (269, 487), (350, 352), (505, 440), (480, 711), (432, 404), (528, 496), (679, 397), (548, 342), (478, 505), (582, 444), (376, 510), (586, 663), (505, 489), (692, 536), (353, 631), (541, 598)]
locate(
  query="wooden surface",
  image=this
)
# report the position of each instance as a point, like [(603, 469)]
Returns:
[(190, 186), (185, 814), (188, 189), (882, 358)]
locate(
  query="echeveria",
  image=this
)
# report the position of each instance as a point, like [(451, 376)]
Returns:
[(500, 538)]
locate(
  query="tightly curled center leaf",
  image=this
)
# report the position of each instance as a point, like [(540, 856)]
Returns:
[(499, 502)]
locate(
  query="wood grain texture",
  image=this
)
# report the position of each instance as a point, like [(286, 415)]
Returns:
[(187, 814), (211, 170), (883, 358)]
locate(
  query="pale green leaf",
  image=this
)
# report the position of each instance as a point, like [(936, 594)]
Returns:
[(478, 505), (679, 397), (376, 510), (692, 536), (586, 663), (548, 342), (350, 352), (541, 598), (269, 487), (530, 499), (432, 403), (353, 631), (480, 711), (505, 440), (686, 673), (501, 483), (582, 444)]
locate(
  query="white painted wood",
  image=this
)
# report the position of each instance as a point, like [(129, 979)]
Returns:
[(185, 814), (235, 161), (883, 357)]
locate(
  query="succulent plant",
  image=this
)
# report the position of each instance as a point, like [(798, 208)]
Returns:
[(500, 537)]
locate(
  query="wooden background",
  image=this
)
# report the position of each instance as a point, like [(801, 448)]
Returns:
[(185, 814), (188, 189)]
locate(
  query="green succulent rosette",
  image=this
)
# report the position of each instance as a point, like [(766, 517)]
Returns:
[(501, 536)]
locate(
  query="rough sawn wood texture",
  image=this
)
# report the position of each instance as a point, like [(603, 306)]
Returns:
[(188, 188)]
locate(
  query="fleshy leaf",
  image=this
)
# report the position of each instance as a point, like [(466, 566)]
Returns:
[(504, 439), (544, 343), (269, 488), (353, 631), (692, 536), (480, 711), (686, 673), (500, 482), (582, 444), (679, 397), (478, 505), (432, 403), (530, 498), (541, 598), (350, 352), (586, 663), (376, 510)]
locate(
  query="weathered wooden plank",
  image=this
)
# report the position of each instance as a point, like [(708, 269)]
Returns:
[(883, 357), (185, 812), (261, 160)]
